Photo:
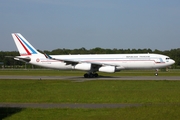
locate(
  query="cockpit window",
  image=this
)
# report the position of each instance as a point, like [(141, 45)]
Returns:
[(167, 58)]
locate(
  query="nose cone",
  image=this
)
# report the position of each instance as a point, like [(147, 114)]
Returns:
[(172, 61)]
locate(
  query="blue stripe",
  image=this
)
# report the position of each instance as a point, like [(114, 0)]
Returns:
[(32, 50)]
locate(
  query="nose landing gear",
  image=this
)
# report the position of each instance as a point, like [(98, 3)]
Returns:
[(156, 74)]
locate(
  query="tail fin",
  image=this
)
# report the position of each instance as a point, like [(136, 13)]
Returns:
[(24, 47)]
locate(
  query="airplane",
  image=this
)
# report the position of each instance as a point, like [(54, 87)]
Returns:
[(91, 63)]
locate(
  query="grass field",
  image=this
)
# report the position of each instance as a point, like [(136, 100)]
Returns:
[(48, 91), (163, 96)]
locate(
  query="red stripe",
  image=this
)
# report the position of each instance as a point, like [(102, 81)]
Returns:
[(28, 53)]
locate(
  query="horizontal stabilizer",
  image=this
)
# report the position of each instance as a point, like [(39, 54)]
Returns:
[(20, 58)]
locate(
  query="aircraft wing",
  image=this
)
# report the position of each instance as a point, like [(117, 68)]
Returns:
[(74, 62), (98, 63)]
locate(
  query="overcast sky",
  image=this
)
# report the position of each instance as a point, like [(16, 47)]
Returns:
[(121, 24)]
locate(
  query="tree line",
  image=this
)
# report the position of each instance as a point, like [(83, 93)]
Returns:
[(173, 53)]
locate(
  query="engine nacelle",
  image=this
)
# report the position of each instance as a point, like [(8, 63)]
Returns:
[(109, 69), (82, 66)]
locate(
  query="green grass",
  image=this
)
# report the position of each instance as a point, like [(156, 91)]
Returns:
[(153, 112), (163, 96), (54, 91)]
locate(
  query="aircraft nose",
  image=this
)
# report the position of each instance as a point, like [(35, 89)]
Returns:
[(172, 61)]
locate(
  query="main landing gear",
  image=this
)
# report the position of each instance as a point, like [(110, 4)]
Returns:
[(90, 75)]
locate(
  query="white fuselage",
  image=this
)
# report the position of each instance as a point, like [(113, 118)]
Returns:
[(91, 63), (121, 61)]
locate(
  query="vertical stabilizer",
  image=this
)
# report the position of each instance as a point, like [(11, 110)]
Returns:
[(24, 47)]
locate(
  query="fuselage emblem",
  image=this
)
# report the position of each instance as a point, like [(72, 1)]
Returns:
[(37, 60)]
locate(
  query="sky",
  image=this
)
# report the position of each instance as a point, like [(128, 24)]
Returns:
[(109, 24)]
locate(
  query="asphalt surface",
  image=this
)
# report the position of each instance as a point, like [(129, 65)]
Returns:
[(63, 105), (85, 79)]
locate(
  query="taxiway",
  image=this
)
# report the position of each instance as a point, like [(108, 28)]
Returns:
[(17, 77)]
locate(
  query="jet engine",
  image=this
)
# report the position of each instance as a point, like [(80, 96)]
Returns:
[(82, 66), (109, 69)]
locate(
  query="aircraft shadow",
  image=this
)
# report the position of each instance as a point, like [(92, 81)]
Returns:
[(101, 76), (8, 111)]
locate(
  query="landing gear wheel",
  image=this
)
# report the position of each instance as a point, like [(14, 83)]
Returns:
[(156, 74), (86, 75), (95, 75), (90, 75)]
